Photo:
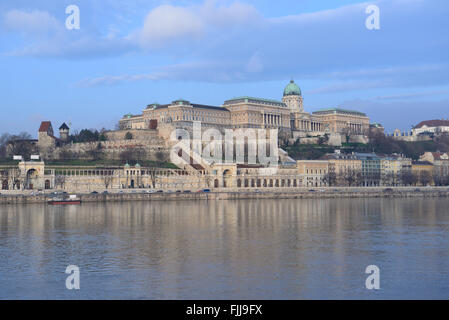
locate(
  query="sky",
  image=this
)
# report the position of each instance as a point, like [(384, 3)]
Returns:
[(127, 54)]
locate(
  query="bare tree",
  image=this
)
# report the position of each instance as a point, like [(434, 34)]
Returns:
[(330, 178), (95, 151), (107, 180), (133, 155), (152, 173), (66, 154), (389, 179), (409, 178), (441, 174), (425, 177), (352, 177), (60, 181), (347, 133)]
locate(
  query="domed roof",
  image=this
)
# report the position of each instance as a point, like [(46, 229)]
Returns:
[(292, 89)]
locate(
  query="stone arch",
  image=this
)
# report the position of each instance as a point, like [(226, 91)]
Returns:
[(239, 183), (5, 185), (216, 183), (227, 174), (32, 175)]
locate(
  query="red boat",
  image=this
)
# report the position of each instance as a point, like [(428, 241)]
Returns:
[(64, 202)]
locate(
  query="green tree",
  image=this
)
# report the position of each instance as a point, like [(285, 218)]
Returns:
[(128, 136)]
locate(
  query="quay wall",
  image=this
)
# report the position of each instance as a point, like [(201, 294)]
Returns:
[(230, 195)]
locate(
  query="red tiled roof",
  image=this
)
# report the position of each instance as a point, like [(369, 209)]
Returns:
[(433, 123), (437, 155), (44, 126)]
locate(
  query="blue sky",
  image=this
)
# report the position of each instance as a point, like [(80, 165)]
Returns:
[(128, 54)]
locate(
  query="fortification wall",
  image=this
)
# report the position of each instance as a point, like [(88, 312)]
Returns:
[(137, 134), (150, 145)]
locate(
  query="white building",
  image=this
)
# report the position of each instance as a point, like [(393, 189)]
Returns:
[(431, 126)]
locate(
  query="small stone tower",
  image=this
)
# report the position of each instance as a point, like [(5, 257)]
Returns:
[(64, 132), (292, 97)]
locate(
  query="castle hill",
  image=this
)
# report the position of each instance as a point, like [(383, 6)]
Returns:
[(179, 148), (224, 155)]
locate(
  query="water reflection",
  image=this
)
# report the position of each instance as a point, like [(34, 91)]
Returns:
[(261, 249)]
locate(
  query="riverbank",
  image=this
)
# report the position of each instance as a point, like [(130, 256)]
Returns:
[(301, 193)]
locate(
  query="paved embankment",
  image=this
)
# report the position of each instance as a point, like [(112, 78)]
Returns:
[(400, 192)]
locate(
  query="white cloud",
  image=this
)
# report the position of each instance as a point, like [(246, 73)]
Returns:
[(34, 22), (222, 41), (167, 22)]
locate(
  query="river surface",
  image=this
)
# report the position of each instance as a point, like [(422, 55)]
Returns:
[(245, 249)]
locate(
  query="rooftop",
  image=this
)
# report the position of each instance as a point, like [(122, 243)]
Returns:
[(432, 123), (292, 89), (339, 110), (45, 125), (422, 163), (366, 156), (194, 105), (202, 106), (64, 127), (248, 99), (129, 116)]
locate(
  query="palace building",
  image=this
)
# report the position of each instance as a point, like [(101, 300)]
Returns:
[(250, 112)]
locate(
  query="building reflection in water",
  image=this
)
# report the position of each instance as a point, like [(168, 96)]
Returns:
[(266, 249)]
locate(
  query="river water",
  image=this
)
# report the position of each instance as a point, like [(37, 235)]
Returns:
[(247, 249)]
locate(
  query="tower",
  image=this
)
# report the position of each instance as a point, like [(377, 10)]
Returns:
[(64, 132), (292, 97)]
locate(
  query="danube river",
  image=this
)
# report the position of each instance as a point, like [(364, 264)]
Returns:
[(247, 249)]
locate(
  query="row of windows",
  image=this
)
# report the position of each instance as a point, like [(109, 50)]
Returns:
[(270, 183), (316, 171)]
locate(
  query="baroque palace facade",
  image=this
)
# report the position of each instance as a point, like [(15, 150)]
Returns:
[(152, 129), (287, 115)]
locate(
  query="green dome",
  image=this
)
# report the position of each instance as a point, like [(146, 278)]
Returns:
[(292, 89)]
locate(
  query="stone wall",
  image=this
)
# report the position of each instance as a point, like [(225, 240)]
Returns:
[(136, 133), (358, 139), (149, 145), (326, 193)]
